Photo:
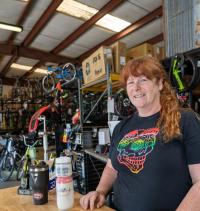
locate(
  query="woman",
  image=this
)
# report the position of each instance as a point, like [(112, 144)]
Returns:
[(154, 159)]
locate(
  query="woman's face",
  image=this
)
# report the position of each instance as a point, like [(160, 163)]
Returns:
[(144, 94)]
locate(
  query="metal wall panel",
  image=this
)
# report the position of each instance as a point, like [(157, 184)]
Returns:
[(180, 22)]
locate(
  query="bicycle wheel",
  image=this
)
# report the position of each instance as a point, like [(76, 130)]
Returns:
[(123, 106), (68, 72), (20, 170), (6, 167), (48, 83), (189, 73)]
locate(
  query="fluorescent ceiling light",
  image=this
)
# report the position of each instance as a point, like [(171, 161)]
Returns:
[(114, 23), (10, 27), (39, 70), (76, 9), (26, 67), (22, 67)]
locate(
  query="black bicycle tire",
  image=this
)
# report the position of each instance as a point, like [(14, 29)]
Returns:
[(12, 167), (46, 89), (195, 76), (73, 69), (116, 110), (20, 169)]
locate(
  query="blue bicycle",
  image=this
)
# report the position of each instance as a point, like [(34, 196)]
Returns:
[(64, 74)]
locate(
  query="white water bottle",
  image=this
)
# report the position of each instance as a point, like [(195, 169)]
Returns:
[(64, 183)]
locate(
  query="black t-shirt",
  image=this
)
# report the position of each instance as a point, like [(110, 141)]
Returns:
[(153, 175)]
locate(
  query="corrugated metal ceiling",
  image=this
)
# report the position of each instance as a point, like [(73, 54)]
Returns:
[(50, 32)]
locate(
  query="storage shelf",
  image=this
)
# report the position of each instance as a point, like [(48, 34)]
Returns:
[(101, 83)]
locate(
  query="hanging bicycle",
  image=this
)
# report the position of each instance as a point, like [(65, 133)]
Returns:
[(65, 73), (184, 75)]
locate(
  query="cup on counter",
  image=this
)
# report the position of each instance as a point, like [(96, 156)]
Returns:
[(39, 176)]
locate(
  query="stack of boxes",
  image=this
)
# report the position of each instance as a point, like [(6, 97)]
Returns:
[(115, 56)]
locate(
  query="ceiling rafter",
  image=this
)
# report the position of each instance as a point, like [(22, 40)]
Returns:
[(156, 39), (46, 16), (21, 20), (31, 71), (87, 25), (82, 29), (26, 52), (133, 27)]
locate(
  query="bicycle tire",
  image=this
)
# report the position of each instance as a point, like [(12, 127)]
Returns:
[(68, 72), (196, 75), (191, 74), (48, 83), (20, 170), (122, 105), (6, 167)]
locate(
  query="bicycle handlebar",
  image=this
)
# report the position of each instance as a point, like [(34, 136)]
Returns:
[(29, 145)]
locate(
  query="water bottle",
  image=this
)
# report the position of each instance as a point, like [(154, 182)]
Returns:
[(64, 183)]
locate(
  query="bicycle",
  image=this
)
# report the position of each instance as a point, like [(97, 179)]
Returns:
[(65, 73), (28, 158), (184, 75), (10, 156), (6, 163)]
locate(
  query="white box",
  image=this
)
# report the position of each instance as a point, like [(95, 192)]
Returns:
[(104, 136)]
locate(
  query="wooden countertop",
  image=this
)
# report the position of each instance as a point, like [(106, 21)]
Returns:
[(11, 201)]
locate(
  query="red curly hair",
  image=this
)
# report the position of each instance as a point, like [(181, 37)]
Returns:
[(170, 115)]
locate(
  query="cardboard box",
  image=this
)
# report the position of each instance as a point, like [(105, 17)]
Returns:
[(140, 51), (94, 66), (159, 52), (119, 50)]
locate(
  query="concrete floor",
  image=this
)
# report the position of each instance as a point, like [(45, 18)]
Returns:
[(10, 183)]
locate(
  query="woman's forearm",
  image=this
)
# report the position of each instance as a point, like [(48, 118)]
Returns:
[(107, 179), (191, 201)]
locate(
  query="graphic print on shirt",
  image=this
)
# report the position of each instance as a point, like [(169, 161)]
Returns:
[(134, 148)]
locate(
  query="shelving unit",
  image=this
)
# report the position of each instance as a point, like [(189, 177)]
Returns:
[(106, 85)]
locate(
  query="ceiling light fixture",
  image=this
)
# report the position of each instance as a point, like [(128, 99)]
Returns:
[(40, 70), (21, 67), (78, 10), (10, 27)]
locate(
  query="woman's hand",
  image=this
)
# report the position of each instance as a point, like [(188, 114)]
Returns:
[(94, 199)]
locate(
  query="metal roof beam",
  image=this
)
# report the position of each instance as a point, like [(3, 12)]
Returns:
[(18, 51), (85, 26), (46, 16), (130, 29)]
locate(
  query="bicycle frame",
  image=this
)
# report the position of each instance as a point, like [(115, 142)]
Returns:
[(177, 73), (57, 71), (29, 156), (66, 74)]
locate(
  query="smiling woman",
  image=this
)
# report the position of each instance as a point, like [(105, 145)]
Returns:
[(154, 150), (144, 94), (153, 93)]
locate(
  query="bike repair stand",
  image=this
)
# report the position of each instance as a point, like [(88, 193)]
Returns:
[(44, 135)]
